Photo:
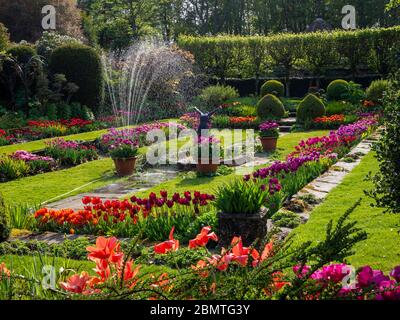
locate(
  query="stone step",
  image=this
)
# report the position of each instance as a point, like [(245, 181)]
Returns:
[(285, 128)]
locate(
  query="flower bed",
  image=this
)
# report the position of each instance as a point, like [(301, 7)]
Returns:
[(273, 185), (22, 163), (151, 217), (238, 272), (134, 136), (40, 129), (334, 121), (70, 153), (5, 139)]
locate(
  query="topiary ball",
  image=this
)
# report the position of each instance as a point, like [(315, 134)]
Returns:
[(337, 89), (273, 87), (270, 107), (310, 108)]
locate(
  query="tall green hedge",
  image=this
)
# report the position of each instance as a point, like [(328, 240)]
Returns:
[(258, 56), (81, 65)]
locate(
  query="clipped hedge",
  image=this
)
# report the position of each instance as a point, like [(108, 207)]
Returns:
[(337, 89), (81, 65), (273, 87), (270, 107), (253, 56), (310, 108)]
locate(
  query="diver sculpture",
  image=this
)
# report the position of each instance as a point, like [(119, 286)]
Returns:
[(204, 119)]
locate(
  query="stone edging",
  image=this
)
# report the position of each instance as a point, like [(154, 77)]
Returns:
[(319, 188)]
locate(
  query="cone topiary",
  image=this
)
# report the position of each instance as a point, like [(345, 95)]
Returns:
[(270, 107), (4, 230), (337, 89), (310, 108), (273, 87)]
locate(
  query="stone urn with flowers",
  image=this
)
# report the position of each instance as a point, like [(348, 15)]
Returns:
[(242, 211), (269, 134)]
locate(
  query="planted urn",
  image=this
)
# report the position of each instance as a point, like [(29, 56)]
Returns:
[(124, 157), (209, 152), (241, 211), (269, 134)]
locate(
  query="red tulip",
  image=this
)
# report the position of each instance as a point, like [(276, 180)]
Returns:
[(167, 246), (202, 238), (76, 283)]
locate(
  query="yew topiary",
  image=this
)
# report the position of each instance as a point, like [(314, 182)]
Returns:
[(270, 107), (310, 108), (274, 87), (337, 89)]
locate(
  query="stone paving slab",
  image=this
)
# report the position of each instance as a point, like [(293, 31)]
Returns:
[(322, 186)]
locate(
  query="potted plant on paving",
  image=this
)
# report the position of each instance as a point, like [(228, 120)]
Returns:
[(269, 134), (208, 152), (124, 156), (241, 211)]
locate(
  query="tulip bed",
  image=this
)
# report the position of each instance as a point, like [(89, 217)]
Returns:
[(152, 217)]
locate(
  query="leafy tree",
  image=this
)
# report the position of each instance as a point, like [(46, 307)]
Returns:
[(22, 18)]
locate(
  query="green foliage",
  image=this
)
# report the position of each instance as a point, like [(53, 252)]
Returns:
[(11, 169), (387, 181), (116, 34), (124, 151), (310, 108), (63, 111), (338, 107), (273, 87), (21, 217), (337, 89), (51, 111), (49, 41), (355, 93), (4, 230), (270, 107), (214, 96), (286, 219), (82, 66), (21, 53), (240, 197), (69, 249), (71, 156), (4, 37), (245, 57), (376, 90)]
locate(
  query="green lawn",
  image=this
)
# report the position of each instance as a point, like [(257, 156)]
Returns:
[(381, 249), (286, 145)]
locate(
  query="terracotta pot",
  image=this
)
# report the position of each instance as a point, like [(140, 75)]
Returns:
[(248, 226), (125, 167), (206, 168), (269, 143)]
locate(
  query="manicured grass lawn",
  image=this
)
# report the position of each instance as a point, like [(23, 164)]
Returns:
[(381, 250), (286, 145), (26, 264)]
